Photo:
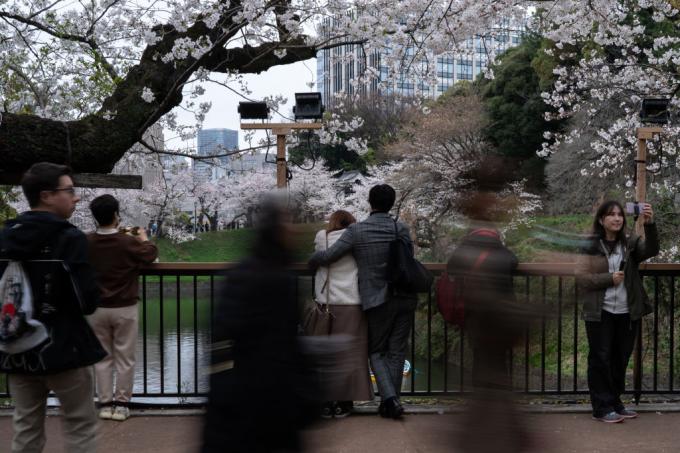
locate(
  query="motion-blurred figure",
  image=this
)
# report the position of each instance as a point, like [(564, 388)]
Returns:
[(614, 301), (260, 393), (494, 321)]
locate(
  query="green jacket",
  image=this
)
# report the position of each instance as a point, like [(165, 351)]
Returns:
[(593, 276)]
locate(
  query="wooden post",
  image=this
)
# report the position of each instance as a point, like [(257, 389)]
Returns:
[(643, 134), (641, 178), (281, 130), (281, 165)]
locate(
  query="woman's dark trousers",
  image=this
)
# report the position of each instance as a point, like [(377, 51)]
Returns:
[(611, 343)]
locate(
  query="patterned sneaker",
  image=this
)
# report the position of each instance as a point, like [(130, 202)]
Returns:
[(106, 412), (120, 413), (625, 413), (611, 417)]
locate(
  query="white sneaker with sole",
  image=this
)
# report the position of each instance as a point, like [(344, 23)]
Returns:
[(120, 414), (106, 412)]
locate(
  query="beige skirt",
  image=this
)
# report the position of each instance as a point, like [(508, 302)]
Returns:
[(347, 377)]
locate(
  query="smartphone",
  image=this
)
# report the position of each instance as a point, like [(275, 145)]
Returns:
[(622, 266), (634, 208)]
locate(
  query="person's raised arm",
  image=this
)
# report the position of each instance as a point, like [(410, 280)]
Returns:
[(341, 247)]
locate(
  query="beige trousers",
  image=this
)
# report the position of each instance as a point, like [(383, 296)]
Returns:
[(75, 390), (116, 329)]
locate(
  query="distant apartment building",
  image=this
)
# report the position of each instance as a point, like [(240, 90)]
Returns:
[(339, 66)]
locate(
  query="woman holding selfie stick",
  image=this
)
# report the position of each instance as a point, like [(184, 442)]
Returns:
[(614, 301)]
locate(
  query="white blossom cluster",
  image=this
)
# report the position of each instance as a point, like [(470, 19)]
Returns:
[(611, 55)]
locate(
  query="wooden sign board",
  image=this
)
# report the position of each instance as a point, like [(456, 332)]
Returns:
[(90, 180)]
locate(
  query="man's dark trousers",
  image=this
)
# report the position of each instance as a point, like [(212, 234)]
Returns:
[(611, 343), (389, 327)]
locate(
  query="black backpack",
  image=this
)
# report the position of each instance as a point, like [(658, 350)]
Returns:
[(405, 273)]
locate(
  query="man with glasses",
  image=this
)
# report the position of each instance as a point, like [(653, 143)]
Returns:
[(54, 253)]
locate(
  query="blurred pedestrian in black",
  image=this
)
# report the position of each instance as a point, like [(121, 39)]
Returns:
[(483, 269), (614, 301), (260, 393)]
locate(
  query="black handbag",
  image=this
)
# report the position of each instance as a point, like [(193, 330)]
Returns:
[(406, 274)]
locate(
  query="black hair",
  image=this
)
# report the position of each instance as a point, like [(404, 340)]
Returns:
[(104, 209), (605, 209), (381, 197), (42, 176)]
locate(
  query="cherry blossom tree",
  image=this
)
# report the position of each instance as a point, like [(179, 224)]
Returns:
[(609, 55), (81, 82), (313, 192)]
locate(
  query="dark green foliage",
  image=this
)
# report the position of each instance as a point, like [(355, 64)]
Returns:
[(515, 108), (7, 195), (337, 157)]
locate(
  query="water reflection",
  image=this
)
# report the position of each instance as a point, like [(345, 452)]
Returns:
[(179, 372)]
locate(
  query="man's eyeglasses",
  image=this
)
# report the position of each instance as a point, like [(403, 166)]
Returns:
[(69, 190)]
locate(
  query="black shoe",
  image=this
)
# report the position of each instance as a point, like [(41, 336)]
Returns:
[(393, 408), (327, 410), (342, 409), (382, 410)]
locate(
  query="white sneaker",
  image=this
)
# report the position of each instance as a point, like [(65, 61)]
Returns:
[(106, 412), (120, 413)]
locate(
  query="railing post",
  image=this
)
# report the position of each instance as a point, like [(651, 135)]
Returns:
[(637, 365)]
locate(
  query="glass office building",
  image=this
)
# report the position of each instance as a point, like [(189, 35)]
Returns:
[(339, 66)]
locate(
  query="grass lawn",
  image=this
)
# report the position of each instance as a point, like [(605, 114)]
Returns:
[(230, 245), (545, 235)]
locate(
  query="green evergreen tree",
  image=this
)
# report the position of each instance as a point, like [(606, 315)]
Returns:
[(515, 108)]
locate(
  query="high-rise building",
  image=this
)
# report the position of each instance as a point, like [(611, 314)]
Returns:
[(338, 67), (213, 142)]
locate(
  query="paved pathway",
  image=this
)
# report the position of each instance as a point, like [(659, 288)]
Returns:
[(417, 433)]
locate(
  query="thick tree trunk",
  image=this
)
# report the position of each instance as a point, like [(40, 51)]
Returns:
[(94, 144)]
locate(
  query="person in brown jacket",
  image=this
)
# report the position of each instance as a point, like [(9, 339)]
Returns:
[(117, 257)]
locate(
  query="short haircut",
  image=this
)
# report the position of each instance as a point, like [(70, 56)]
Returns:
[(340, 220), (381, 197), (42, 176), (104, 209)]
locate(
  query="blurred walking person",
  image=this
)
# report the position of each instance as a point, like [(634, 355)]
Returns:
[(483, 267), (614, 301), (117, 257), (337, 290), (258, 379)]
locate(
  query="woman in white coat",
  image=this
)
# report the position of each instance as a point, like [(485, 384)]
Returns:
[(337, 287)]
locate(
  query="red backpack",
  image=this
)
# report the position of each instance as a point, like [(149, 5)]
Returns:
[(450, 300)]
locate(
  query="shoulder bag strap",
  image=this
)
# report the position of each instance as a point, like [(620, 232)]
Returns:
[(328, 282), (480, 260)]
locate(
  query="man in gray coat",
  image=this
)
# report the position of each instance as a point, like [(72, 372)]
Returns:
[(388, 312)]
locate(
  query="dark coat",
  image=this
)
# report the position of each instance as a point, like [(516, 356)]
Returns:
[(493, 319), (258, 378), (39, 235), (593, 276)]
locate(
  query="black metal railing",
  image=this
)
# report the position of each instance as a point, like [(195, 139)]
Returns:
[(177, 301)]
